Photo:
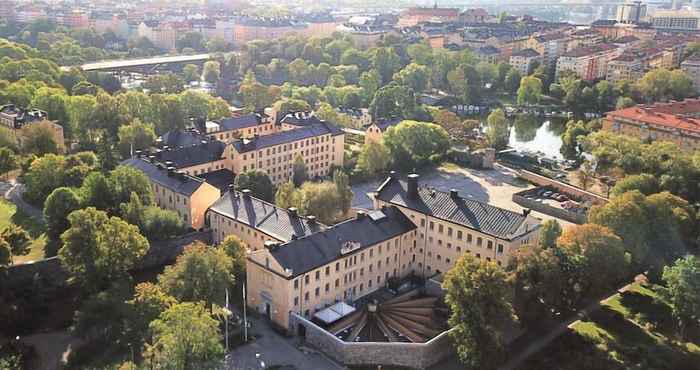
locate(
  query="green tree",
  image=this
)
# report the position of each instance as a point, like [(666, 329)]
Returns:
[(342, 186), (135, 136), (478, 296), (299, 174), (256, 96), (529, 91), (59, 204), (549, 233), (682, 291), (211, 72), (386, 62), (258, 183), (370, 82), (45, 174), (287, 196), (99, 250), (8, 161), (320, 199), (17, 241), (191, 40), (190, 72), (413, 144), (512, 80), (236, 249), (644, 183), (374, 159), (200, 274), (39, 139), (147, 304), (185, 336), (124, 181), (497, 130), (415, 76), (571, 147)]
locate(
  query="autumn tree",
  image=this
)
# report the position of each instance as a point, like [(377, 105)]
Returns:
[(549, 233), (497, 130)]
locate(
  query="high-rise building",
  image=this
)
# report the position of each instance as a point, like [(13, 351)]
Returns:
[(631, 12)]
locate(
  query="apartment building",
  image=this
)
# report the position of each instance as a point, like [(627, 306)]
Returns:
[(675, 20), (589, 63), (626, 67), (19, 119), (341, 263), (450, 225), (320, 145), (691, 67), (488, 54), (524, 60), (549, 46), (187, 195), (676, 121), (584, 38), (256, 221), (413, 16), (199, 158), (163, 34), (248, 29)]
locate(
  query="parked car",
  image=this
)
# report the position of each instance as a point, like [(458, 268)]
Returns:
[(547, 194), (555, 195), (562, 198)]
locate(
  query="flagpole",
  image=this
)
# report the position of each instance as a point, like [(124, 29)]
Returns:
[(245, 318)]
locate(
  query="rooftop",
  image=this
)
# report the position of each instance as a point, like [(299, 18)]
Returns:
[(177, 182), (284, 137), (180, 138), (305, 254), (479, 216), (237, 123), (672, 115), (193, 155), (589, 50), (526, 53), (282, 224)]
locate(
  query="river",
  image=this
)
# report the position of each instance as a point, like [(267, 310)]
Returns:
[(537, 134)]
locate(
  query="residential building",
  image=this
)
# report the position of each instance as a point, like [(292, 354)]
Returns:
[(626, 67), (488, 53), (360, 117), (163, 34), (611, 29), (475, 15), (248, 29), (549, 46), (199, 158), (676, 121), (413, 16), (256, 221), (691, 67), (376, 130), (321, 145), (187, 195), (341, 263), (675, 20), (631, 12), (589, 63), (249, 125), (19, 119), (524, 60), (584, 38), (450, 225)]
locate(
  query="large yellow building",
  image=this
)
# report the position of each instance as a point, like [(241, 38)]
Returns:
[(187, 195), (412, 231)]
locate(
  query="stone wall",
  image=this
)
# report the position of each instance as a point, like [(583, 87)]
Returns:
[(562, 187), (412, 355), (577, 218)]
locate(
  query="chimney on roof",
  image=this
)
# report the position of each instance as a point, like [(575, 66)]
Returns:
[(292, 211), (311, 219), (271, 244), (360, 215), (392, 174), (138, 154), (231, 188), (454, 194), (171, 171), (526, 212), (412, 190), (246, 193)]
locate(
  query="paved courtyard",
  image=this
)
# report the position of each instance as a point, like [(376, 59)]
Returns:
[(492, 186), (276, 350)]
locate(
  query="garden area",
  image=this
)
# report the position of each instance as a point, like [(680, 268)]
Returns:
[(632, 330), (11, 215)]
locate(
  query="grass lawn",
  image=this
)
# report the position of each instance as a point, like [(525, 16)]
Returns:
[(10, 215), (633, 330)]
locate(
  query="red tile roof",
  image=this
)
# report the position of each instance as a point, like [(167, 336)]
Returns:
[(672, 115)]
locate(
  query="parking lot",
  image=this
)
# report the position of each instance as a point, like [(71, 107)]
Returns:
[(495, 187)]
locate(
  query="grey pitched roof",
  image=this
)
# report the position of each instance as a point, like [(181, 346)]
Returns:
[(313, 251), (284, 137), (470, 213), (179, 183), (219, 179), (528, 53), (268, 218), (237, 123), (178, 138), (193, 155)]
